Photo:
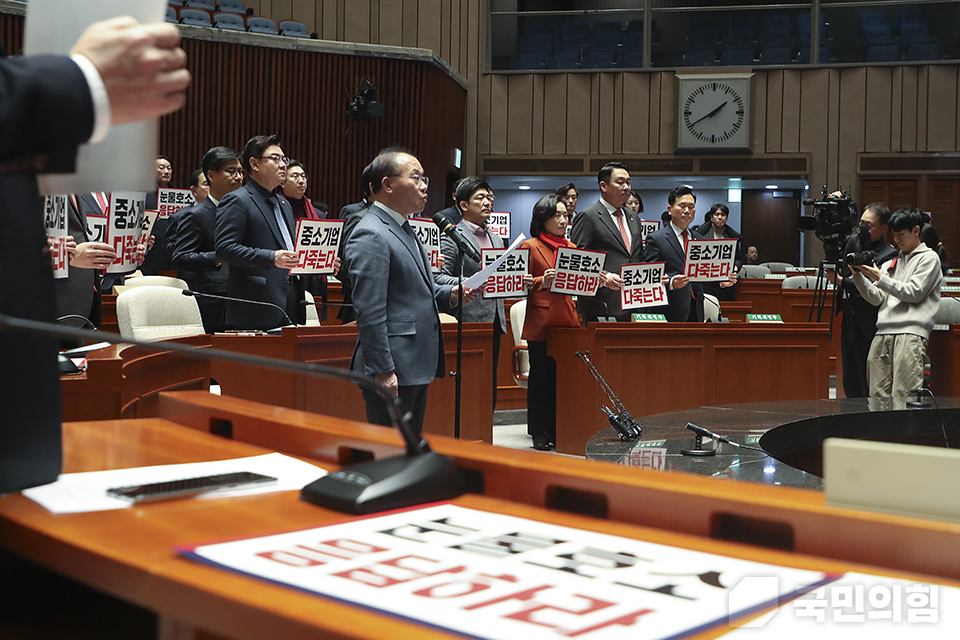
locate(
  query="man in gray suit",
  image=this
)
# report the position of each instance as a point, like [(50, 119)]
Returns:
[(399, 340), (255, 236), (609, 227), (474, 199)]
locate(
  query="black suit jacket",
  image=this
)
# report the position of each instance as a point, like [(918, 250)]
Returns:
[(593, 228), (664, 246), (46, 111), (195, 257), (247, 238)]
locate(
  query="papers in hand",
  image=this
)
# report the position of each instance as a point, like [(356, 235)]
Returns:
[(477, 279), (82, 492)]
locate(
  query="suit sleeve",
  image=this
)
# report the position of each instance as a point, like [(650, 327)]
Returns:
[(582, 233), (186, 252), (450, 253), (231, 231), (366, 253), (651, 249), (46, 112)]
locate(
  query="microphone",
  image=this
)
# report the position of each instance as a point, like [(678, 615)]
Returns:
[(417, 476), (706, 433), (65, 363), (214, 296), (454, 234), (77, 316)]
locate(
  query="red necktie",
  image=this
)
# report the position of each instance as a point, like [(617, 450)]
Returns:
[(686, 243), (103, 202), (618, 214)]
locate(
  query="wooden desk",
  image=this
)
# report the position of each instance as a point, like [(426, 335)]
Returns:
[(129, 553), (655, 368), (124, 381)]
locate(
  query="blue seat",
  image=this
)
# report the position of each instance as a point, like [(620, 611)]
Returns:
[(776, 55), (738, 57), (195, 17), (200, 4), (171, 14), (226, 20), (565, 60), (260, 24), (293, 29), (232, 6), (600, 59)]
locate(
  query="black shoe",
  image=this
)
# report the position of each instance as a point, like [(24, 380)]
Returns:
[(541, 445)]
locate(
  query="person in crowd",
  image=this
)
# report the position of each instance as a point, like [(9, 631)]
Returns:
[(753, 255), (569, 194), (715, 227), (930, 237), (907, 291), (453, 213), (295, 189), (346, 314), (200, 188), (548, 226), (634, 203), (158, 259)]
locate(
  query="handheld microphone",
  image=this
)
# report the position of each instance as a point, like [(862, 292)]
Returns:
[(419, 475), (214, 296), (454, 234)]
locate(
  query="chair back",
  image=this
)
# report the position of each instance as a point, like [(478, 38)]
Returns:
[(521, 358), (313, 318), (151, 281), (949, 311), (158, 313), (754, 271), (711, 307), (777, 266), (799, 282)]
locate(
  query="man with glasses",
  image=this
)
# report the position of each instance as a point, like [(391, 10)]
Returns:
[(255, 236), (609, 227), (474, 199), (399, 338)]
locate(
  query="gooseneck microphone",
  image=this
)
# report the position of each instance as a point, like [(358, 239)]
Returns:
[(214, 296), (706, 433), (419, 475), (454, 234)]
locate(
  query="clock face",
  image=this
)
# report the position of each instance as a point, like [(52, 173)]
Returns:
[(714, 113)]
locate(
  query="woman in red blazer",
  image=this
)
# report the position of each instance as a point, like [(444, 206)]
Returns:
[(545, 309)]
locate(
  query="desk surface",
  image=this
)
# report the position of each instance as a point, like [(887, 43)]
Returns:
[(129, 553)]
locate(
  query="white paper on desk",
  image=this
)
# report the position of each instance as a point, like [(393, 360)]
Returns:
[(480, 277), (124, 161), (82, 492)]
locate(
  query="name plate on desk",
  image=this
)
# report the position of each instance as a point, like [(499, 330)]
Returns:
[(775, 276), (490, 575), (765, 317), (649, 317)]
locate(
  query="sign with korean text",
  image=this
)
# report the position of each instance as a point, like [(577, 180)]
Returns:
[(647, 227), (124, 228), (317, 244), (642, 286), (578, 272), (149, 219), (169, 201), (499, 223), (55, 223), (96, 227), (500, 577), (507, 280), (710, 260), (429, 234)]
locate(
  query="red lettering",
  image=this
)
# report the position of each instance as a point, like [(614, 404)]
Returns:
[(392, 572), (527, 614), (291, 559), (627, 620), (523, 596)]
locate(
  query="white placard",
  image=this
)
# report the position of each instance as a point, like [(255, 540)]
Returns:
[(429, 234), (169, 201), (481, 276), (149, 219), (55, 223), (647, 227), (710, 260), (578, 272), (124, 228), (494, 576), (317, 244), (643, 286), (507, 280), (499, 223)]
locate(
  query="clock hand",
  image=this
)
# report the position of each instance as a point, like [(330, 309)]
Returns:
[(711, 114)]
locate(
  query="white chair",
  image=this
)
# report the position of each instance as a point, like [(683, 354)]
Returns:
[(949, 311), (799, 282), (521, 357), (754, 271), (158, 313), (313, 318), (150, 281), (711, 308)]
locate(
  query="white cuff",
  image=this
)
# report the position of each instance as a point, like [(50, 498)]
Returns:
[(101, 101)]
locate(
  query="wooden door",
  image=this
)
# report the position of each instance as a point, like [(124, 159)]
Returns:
[(772, 224)]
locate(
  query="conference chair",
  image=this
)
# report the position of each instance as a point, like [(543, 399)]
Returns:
[(949, 311), (233, 6), (313, 318), (158, 313), (227, 20), (799, 282), (260, 24), (777, 266), (150, 281), (196, 17), (754, 271), (521, 358), (293, 29), (711, 308)]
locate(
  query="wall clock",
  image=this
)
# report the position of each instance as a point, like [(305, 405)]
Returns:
[(714, 113)]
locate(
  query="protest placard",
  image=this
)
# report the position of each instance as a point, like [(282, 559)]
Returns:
[(429, 234), (507, 280), (710, 260), (643, 286), (55, 223), (124, 228), (578, 272), (317, 244)]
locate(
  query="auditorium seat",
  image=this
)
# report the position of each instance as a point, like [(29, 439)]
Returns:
[(799, 282), (313, 318), (200, 4), (777, 266), (754, 271), (195, 17), (520, 358), (233, 6), (293, 29), (949, 311), (711, 308), (172, 14), (151, 281), (227, 20), (260, 24), (157, 313)]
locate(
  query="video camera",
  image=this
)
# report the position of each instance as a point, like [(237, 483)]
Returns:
[(834, 219)]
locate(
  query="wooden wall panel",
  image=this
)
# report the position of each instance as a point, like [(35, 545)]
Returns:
[(814, 116), (853, 107), (908, 122), (608, 109), (896, 109), (790, 110), (429, 25), (923, 88), (498, 110), (656, 126), (877, 102), (759, 111), (391, 23), (635, 114), (579, 113), (941, 118), (668, 113), (555, 105), (520, 114), (356, 22)]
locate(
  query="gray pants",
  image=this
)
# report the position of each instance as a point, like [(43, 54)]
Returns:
[(895, 364)]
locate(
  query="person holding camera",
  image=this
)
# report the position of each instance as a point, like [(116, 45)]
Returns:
[(907, 292), (859, 324)]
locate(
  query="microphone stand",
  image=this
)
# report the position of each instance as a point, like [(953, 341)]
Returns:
[(190, 293)]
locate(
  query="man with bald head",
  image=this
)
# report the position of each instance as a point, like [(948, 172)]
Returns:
[(399, 339)]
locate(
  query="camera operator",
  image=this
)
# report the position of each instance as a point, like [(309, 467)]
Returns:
[(860, 317), (907, 292)]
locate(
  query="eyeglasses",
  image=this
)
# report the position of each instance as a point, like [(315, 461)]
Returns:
[(276, 157), (417, 178)]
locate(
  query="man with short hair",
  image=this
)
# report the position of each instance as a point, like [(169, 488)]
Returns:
[(475, 201), (715, 227), (194, 254), (255, 236), (399, 338), (859, 324), (200, 188), (453, 213), (158, 259), (609, 227), (569, 194), (907, 292)]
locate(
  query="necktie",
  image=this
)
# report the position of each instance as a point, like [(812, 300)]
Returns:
[(282, 223), (415, 245), (618, 214), (686, 244), (102, 200)]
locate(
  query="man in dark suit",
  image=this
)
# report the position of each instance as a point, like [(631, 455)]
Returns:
[(200, 188), (668, 244), (119, 72), (354, 214), (158, 259), (609, 227), (194, 254), (475, 201), (715, 227), (255, 236), (399, 340), (454, 214)]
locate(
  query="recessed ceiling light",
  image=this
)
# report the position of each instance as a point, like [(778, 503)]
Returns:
[(524, 187), (772, 187)]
